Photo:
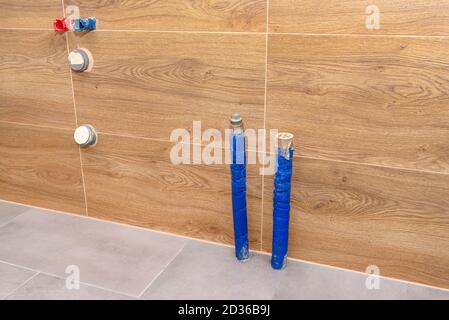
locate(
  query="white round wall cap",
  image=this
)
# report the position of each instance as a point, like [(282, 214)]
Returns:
[(85, 135), (78, 60)]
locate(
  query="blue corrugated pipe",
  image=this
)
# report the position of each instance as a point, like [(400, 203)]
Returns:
[(238, 172), (281, 201)]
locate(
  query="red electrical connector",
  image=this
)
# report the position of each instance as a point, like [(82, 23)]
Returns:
[(60, 25)]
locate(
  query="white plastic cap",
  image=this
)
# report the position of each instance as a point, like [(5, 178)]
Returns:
[(285, 140), (79, 60), (285, 143), (85, 136)]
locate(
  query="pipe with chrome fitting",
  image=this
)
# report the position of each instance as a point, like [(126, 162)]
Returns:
[(238, 174), (281, 200)]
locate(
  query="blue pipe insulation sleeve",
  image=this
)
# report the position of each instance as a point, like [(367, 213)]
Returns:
[(238, 172), (281, 210)]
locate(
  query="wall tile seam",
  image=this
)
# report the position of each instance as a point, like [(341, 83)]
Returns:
[(296, 156), (305, 34), (76, 115), (38, 126), (267, 39)]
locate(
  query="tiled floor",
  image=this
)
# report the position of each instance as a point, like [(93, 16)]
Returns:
[(40, 250)]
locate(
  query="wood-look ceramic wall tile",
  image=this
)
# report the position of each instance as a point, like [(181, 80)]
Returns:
[(148, 84), (179, 15), (133, 181), (29, 13), (40, 167), (399, 17), (35, 85), (353, 216), (377, 100)]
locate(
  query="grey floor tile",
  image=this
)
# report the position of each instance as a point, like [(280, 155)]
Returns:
[(44, 287), (111, 256), (9, 211), (415, 292), (206, 271), (308, 281), (11, 278), (124, 259)]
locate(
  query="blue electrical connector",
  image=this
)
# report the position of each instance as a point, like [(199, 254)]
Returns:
[(281, 201), (238, 173)]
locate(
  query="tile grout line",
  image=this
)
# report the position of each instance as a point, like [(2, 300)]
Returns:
[(77, 215), (31, 207), (90, 285), (62, 278), (18, 266), (372, 165), (264, 253), (4, 223), (34, 125), (297, 156), (23, 284), (184, 31), (76, 115), (305, 34), (264, 124), (249, 33), (70, 69), (84, 181), (26, 29), (162, 271)]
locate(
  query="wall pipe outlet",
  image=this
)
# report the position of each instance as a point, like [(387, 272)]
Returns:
[(238, 173), (87, 24), (60, 25), (85, 136), (281, 200), (80, 60)]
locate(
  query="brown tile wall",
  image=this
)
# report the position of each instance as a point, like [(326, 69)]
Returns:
[(369, 110)]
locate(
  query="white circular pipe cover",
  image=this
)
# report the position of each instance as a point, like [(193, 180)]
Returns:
[(285, 143), (79, 60), (85, 135)]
